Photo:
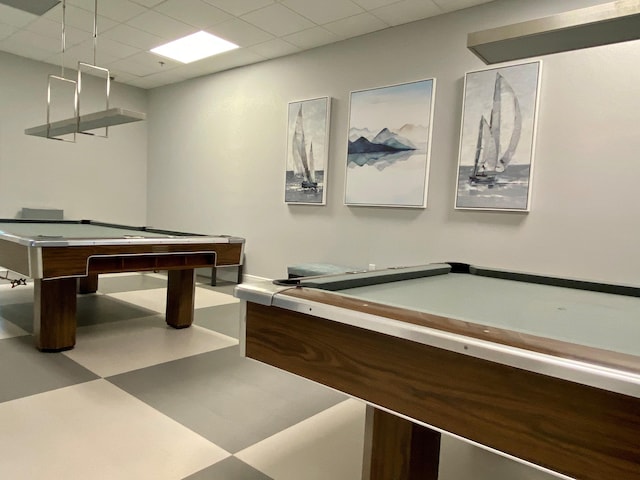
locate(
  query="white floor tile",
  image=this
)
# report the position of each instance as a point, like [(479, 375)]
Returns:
[(156, 298), (327, 445), (118, 347), (96, 431)]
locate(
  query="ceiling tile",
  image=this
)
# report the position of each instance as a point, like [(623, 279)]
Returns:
[(39, 42), (224, 61), (407, 11), (144, 63), (83, 52), (371, 4), (115, 48), (240, 32), (6, 30), (451, 5), (194, 12), (134, 37), (238, 8), (143, 82), (155, 80), (356, 25), (49, 28), (78, 18), (14, 17), (161, 25), (313, 37), (274, 48), (17, 44), (118, 10), (325, 11), (278, 20), (148, 3), (88, 5)]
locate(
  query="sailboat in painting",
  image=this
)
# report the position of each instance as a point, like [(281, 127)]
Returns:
[(497, 138), (304, 165)]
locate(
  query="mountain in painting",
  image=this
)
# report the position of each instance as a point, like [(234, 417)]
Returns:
[(356, 133), (417, 134), (387, 137), (384, 141)]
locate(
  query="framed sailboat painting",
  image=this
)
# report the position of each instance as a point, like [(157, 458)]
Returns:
[(389, 145), (307, 151), (497, 138)]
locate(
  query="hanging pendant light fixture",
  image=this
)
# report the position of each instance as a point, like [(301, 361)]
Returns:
[(83, 123)]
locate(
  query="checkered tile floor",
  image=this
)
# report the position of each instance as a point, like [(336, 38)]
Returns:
[(136, 399)]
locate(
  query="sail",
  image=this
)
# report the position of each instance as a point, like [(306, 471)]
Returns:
[(299, 148), (312, 165), (498, 138), (486, 151), (510, 109)]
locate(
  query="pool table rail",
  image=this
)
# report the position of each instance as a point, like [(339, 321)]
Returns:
[(606, 369), (563, 426), (565, 407)]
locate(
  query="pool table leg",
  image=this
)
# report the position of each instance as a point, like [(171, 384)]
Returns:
[(88, 284), (181, 289), (399, 449), (54, 314)]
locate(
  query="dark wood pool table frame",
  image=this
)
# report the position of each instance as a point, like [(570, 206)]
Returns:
[(415, 390), (63, 267)]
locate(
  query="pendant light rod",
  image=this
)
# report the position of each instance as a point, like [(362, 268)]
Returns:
[(83, 123), (64, 38), (95, 31)]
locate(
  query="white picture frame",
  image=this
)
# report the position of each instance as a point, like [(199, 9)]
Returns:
[(307, 158), (497, 138), (389, 145)]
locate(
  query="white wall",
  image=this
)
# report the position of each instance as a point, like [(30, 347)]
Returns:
[(95, 178), (217, 155)]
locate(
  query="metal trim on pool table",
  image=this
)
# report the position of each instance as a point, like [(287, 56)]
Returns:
[(36, 269), (575, 371), (131, 240), (39, 273)]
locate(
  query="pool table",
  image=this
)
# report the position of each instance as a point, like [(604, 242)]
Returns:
[(65, 257), (544, 370)]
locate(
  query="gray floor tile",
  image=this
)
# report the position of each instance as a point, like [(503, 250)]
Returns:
[(125, 283), (95, 309), (20, 314), (230, 468), (26, 371), (19, 294), (230, 400), (223, 319), (91, 310)]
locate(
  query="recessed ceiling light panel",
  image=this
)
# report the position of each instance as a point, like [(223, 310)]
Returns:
[(194, 47)]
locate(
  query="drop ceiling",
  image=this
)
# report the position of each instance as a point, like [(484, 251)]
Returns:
[(264, 29)]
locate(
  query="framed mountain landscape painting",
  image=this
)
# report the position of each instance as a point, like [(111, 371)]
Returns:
[(307, 151), (495, 162), (389, 145)]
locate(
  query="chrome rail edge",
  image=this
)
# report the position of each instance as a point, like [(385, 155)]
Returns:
[(260, 292), (605, 378)]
